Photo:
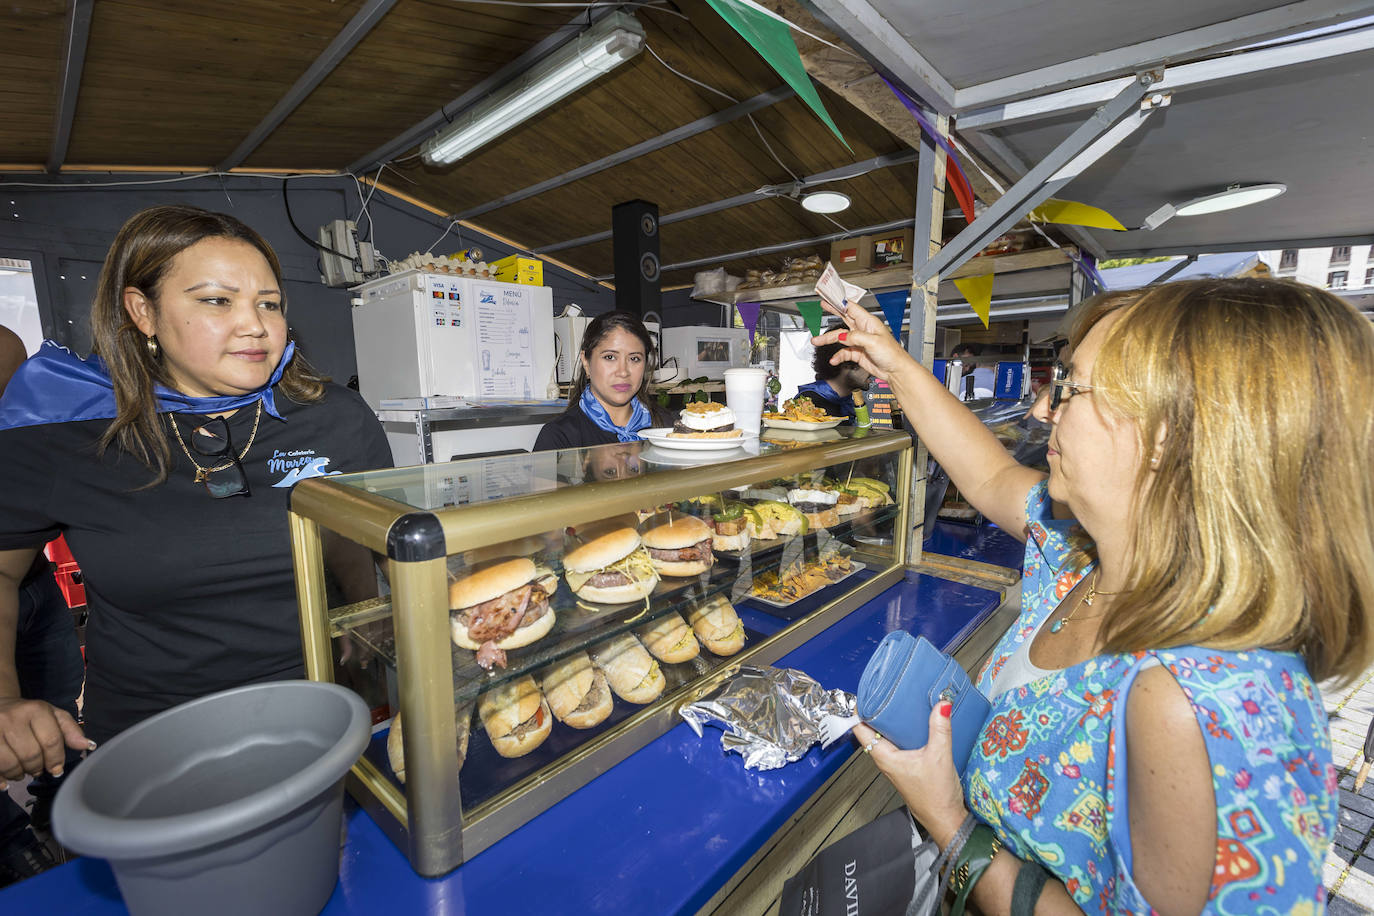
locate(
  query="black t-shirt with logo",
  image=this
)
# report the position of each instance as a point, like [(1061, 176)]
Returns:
[(187, 594)]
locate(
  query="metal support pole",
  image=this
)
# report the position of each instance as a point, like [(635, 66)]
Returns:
[(1093, 139), (930, 219)]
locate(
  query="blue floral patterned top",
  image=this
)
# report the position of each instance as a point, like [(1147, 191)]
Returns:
[(1048, 772)]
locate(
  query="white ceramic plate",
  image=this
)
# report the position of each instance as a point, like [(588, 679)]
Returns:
[(655, 455), (660, 437), (798, 424)]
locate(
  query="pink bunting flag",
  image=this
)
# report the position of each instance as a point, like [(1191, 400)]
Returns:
[(749, 314)]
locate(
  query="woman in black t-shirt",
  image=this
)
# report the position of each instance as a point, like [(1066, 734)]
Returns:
[(167, 460), (609, 401)]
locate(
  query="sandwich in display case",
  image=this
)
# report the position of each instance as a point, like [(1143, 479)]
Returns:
[(538, 624)]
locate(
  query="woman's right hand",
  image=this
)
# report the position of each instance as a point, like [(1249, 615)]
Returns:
[(867, 342), (34, 737)]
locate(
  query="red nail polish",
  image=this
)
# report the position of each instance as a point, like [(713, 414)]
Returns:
[(946, 709), (844, 335)]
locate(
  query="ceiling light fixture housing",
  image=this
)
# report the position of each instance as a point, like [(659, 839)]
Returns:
[(1234, 196), (613, 40), (825, 201)]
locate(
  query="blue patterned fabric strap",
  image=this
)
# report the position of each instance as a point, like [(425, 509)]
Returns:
[(639, 419), (57, 386)]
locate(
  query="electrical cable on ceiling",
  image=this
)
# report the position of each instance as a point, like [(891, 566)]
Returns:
[(724, 95), (286, 200), (646, 4)]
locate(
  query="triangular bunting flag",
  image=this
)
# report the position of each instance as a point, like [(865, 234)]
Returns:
[(978, 292), (811, 314), (749, 314), (1072, 213), (773, 40), (894, 309)]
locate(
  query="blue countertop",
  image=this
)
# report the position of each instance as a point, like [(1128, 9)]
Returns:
[(985, 543), (660, 832)]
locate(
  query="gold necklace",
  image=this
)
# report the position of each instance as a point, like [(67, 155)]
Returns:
[(1086, 601), (203, 474)]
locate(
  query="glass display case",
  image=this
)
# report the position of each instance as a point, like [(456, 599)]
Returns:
[(536, 618)]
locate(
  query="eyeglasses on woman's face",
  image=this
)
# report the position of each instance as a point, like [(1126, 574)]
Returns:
[(1062, 389)]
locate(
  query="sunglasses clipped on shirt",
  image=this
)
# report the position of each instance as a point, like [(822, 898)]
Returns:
[(1059, 384), (211, 440)]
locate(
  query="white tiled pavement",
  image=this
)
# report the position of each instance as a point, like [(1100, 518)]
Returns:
[(1350, 863)]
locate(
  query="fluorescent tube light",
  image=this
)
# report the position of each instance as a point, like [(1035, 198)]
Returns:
[(825, 201), (613, 40)]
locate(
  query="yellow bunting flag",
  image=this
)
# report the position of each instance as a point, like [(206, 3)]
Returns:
[(1072, 213), (978, 292)]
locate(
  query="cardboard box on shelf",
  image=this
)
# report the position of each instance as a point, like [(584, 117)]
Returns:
[(892, 248), (850, 255), (517, 269)]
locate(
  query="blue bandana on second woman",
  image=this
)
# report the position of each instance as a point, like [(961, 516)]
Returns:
[(57, 386), (640, 419)]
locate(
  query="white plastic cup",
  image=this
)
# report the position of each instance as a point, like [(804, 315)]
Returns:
[(744, 396)]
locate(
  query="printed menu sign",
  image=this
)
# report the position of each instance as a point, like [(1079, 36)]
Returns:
[(504, 341)]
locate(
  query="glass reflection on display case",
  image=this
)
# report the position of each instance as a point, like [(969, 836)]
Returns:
[(546, 614)]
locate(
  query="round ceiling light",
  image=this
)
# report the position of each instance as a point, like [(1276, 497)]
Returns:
[(825, 201), (1233, 197)]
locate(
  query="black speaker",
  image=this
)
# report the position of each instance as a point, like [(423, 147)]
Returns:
[(634, 238)]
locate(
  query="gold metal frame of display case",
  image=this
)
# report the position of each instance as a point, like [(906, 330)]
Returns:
[(417, 544)]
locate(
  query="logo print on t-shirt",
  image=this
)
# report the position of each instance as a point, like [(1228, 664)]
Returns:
[(297, 465)]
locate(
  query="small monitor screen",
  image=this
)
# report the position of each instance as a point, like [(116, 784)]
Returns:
[(713, 351)]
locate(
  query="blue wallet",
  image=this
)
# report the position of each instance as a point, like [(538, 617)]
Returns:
[(904, 680)]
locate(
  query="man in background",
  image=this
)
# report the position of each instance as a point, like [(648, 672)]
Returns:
[(834, 387), (984, 376), (50, 667)]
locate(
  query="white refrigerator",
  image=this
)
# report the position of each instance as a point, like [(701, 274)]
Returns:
[(421, 334)]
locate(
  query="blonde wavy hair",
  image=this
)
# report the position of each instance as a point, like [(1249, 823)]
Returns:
[(1257, 528)]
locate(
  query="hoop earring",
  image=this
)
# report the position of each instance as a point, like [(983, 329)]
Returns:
[(153, 349)]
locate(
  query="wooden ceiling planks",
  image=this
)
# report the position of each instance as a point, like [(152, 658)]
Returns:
[(163, 75), (419, 57), (30, 71)]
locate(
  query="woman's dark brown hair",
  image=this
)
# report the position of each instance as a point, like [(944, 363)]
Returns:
[(597, 330), (140, 256)]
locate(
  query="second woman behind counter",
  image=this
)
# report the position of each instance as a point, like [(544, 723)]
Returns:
[(609, 401)]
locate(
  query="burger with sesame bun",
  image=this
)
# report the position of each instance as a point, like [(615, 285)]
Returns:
[(680, 545), (501, 605), (611, 568)]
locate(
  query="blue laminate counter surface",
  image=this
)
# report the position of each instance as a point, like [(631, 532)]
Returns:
[(984, 543), (660, 832)]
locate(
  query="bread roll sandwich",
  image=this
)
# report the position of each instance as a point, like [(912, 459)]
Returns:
[(501, 605), (817, 505), (733, 525), (611, 569), (718, 626), (782, 518), (576, 692), (705, 420), (516, 716), (395, 746), (679, 545), (669, 639), (630, 670)]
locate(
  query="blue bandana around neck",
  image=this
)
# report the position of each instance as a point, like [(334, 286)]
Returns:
[(830, 394), (639, 419), (57, 386)]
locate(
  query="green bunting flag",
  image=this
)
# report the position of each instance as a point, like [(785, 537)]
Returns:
[(811, 314), (773, 40)]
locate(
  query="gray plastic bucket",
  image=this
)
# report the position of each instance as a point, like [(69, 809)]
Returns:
[(229, 804)]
